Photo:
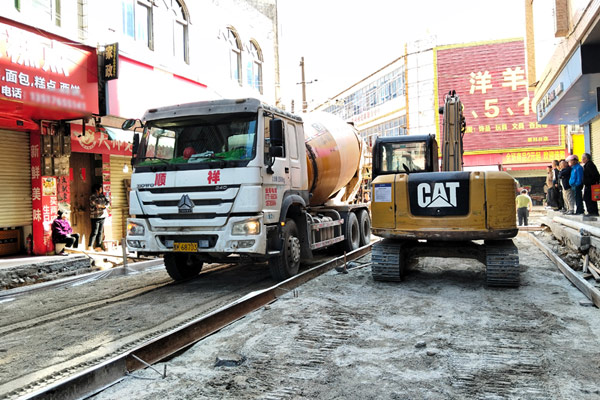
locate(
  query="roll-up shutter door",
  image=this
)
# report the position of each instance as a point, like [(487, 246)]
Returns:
[(15, 176), (595, 141), (119, 184)]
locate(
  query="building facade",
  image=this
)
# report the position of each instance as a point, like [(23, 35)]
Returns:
[(74, 70), (563, 39), (491, 80)]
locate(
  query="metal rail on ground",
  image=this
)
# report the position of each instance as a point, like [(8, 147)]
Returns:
[(80, 384)]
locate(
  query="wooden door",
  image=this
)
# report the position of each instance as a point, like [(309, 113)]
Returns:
[(81, 189)]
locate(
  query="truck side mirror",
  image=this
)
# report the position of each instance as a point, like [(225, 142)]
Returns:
[(276, 132), (128, 124)]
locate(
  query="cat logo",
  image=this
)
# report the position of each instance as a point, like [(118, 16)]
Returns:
[(442, 194)]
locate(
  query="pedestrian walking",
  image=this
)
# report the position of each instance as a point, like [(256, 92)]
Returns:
[(523, 204), (557, 187), (568, 195), (576, 182), (590, 177), (98, 204), (62, 231)]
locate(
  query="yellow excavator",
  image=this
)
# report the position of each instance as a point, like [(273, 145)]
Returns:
[(423, 212)]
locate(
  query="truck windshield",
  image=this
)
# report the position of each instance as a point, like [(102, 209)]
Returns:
[(403, 157), (227, 141)]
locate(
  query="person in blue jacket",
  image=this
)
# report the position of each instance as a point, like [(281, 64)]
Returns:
[(576, 182)]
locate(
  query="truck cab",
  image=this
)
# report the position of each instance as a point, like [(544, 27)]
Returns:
[(210, 179)]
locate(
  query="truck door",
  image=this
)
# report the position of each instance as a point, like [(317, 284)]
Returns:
[(295, 171)]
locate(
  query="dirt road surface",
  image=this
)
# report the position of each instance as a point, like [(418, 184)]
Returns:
[(441, 334)]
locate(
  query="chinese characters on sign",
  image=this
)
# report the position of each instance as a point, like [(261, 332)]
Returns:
[(492, 84), (214, 176), (37, 70), (270, 196), (111, 61)]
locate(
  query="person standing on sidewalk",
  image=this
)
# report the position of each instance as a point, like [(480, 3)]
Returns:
[(590, 177), (557, 187), (576, 182), (98, 204), (550, 192), (523, 204), (564, 175)]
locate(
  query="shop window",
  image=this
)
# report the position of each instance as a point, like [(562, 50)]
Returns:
[(254, 66), (235, 55), (137, 21)]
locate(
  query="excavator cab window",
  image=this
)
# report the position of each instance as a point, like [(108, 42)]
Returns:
[(404, 155)]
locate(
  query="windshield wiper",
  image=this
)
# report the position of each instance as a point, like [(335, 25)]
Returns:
[(153, 158)]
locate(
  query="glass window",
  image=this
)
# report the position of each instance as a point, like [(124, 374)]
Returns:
[(209, 140), (235, 55), (254, 67), (292, 141), (45, 10), (173, 26), (403, 157), (137, 20)]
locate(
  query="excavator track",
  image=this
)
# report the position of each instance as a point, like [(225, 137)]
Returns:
[(502, 263), (387, 261)]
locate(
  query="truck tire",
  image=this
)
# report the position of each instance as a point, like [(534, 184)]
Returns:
[(287, 263), (364, 223), (351, 233), (182, 266)]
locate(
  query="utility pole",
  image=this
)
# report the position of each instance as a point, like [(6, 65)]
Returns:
[(303, 83)]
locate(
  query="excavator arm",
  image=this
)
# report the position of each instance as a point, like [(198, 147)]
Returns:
[(454, 129)]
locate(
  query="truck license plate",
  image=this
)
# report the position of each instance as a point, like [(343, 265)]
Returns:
[(185, 247)]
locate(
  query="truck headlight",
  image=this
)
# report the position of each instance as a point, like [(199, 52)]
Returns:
[(134, 229), (251, 227)]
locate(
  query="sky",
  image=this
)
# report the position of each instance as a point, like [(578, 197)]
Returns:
[(344, 41)]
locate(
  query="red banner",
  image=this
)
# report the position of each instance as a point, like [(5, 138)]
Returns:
[(492, 84), (44, 201), (43, 78)]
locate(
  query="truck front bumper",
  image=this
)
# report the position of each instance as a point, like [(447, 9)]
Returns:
[(205, 240)]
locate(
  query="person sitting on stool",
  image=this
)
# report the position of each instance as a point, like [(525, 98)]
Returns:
[(62, 231)]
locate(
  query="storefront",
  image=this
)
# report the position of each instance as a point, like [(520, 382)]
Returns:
[(573, 97), (44, 83), (100, 156)]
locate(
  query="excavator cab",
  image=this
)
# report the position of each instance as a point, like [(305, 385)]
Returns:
[(421, 211), (404, 154)]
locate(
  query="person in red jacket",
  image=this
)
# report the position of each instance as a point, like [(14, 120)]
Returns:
[(62, 231)]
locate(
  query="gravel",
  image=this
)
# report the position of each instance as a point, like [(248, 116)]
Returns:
[(439, 334)]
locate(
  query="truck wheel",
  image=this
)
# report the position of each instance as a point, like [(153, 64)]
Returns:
[(351, 233), (287, 263), (364, 222), (182, 266)]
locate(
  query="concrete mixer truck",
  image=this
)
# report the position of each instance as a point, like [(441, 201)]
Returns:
[(238, 180)]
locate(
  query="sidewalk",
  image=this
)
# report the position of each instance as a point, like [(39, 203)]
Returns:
[(22, 270)]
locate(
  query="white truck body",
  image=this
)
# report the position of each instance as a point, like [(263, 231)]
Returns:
[(248, 199)]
